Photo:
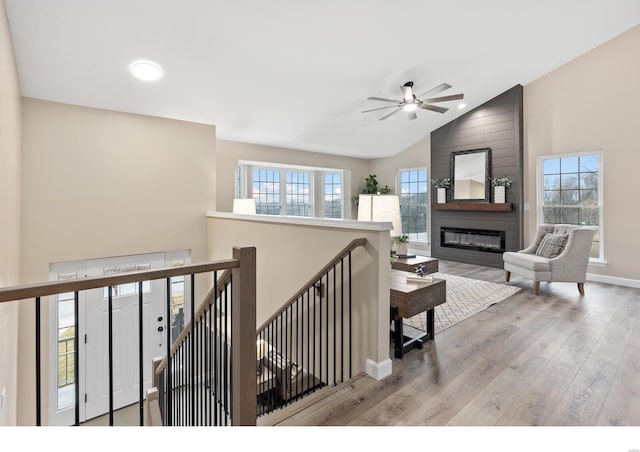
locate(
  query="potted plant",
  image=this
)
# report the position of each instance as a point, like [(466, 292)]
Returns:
[(500, 185), (371, 188), (441, 186), (402, 245)]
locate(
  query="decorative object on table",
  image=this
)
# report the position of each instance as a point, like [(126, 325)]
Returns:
[(420, 275), (500, 185), (402, 245), (371, 188), (441, 187)]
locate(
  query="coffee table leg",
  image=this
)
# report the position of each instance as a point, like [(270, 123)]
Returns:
[(430, 324)]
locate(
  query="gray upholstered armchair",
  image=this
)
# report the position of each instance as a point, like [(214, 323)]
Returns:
[(558, 253)]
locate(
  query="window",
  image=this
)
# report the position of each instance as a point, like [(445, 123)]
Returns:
[(413, 203), (332, 195), (292, 190), (571, 192), (298, 190), (266, 191)]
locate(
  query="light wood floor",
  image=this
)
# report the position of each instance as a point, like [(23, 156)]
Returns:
[(555, 359)]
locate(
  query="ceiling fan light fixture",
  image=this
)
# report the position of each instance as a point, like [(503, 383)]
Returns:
[(146, 70), (410, 107), (462, 106)]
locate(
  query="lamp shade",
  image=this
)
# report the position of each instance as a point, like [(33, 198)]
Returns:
[(381, 208), (244, 206)]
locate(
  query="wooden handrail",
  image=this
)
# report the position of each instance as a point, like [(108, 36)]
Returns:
[(341, 255), (95, 282)]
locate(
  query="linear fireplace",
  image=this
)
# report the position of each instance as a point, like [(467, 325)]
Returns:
[(472, 239)]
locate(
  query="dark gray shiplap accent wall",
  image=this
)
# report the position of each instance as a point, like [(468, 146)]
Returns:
[(497, 124)]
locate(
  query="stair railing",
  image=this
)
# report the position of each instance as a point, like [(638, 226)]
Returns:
[(308, 342), (241, 373)]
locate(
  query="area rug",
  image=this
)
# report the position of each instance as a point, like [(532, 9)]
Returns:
[(465, 297)]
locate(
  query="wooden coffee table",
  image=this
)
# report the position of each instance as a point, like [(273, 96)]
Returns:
[(411, 298)]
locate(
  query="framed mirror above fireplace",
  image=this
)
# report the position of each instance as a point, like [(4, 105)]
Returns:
[(470, 174)]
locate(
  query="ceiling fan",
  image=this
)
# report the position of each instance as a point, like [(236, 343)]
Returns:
[(410, 102)]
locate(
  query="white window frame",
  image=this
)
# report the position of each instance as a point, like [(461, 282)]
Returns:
[(316, 184), (428, 210), (321, 191), (540, 194)]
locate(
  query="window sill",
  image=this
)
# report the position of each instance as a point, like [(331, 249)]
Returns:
[(597, 263)]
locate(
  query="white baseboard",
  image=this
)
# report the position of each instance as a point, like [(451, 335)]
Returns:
[(628, 282), (378, 370)]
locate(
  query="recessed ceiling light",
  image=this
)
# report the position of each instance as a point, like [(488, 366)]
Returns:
[(146, 70), (461, 106)]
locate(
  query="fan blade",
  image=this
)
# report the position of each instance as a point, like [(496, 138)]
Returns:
[(407, 93), (383, 99), (389, 114), (412, 115), (443, 98), (380, 108), (436, 90), (434, 108)]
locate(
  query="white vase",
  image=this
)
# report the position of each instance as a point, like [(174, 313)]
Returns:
[(442, 195), (499, 194), (402, 249)]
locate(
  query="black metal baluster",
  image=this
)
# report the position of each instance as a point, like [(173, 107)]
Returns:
[(140, 354), (314, 329), (326, 354), (350, 321), (341, 320), (287, 346), (320, 333), (308, 317), (76, 354), (192, 356), (216, 359), (168, 358), (299, 333), (335, 319), (38, 366), (208, 386), (226, 357), (110, 355)]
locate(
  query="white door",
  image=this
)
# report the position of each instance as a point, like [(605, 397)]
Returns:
[(125, 336), (93, 334)]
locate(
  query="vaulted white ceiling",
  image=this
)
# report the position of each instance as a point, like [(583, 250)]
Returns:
[(296, 73)]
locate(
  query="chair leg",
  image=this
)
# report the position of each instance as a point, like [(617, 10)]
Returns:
[(581, 288), (507, 275), (536, 287)]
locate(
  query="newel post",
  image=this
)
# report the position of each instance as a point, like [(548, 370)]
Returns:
[(243, 337)]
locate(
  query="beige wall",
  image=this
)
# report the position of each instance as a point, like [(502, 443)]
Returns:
[(10, 124), (593, 103), (417, 156), (101, 183), (229, 152), (289, 255)]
